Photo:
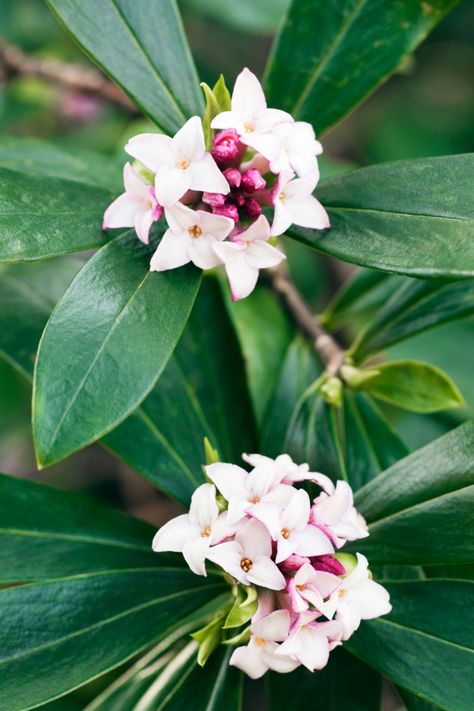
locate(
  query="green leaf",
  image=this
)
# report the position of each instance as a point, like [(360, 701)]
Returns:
[(345, 683), (143, 48), (264, 333), (194, 398), (249, 16), (80, 627), (209, 638), (413, 308), (217, 100), (409, 217), (43, 217), (47, 533), (105, 345), (414, 703), (28, 293), (370, 444), (415, 386), (414, 642), (244, 607), (329, 56), (32, 156)]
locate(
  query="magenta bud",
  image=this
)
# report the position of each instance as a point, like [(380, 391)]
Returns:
[(227, 210), (328, 564), (293, 563), (213, 199), (252, 181), (233, 177), (252, 208), (225, 145)]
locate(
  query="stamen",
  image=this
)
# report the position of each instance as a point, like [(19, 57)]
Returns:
[(341, 593), (285, 533), (206, 532), (254, 500), (183, 164), (259, 641), (300, 587), (246, 564), (195, 231), (249, 127)]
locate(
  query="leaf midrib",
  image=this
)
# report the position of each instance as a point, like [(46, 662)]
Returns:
[(396, 213), (114, 543)]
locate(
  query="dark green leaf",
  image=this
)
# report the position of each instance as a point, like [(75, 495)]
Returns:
[(195, 397), (409, 217), (370, 443), (413, 308), (420, 649), (28, 293), (143, 48), (43, 217), (415, 386), (78, 628), (331, 55), (32, 156), (47, 533), (414, 703), (250, 16), (346, 683), (105, 345)]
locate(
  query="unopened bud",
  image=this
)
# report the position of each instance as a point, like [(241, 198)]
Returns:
[(227, 210), (331, 390), (225, 145), (347, 560), (233, 177), (252, 208), (213, 199), (252, 181)]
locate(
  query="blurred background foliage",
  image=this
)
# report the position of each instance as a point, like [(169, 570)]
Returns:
[(426, 109)]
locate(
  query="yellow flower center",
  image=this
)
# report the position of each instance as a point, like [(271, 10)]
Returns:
[(285, 533), (206, 532), (195, 231), (183, 164), (254, 500), (259, 641), (249, 127), (246, 564)]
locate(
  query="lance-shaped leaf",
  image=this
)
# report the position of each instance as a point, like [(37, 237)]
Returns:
[(345, 683), (330, 55), (143, 48), (105, 345), (413, 308), (409, 217), (419, 510), (202, 393), (413, 385), (47, 533), (414, 642), (43, 217), (32, 156), (80, 627)]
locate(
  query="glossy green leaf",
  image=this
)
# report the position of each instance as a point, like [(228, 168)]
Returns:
[(143, 48), (32, 156), (370, 444), (414, 642), (47, 533), (264, 332), (331, 55), (345, 683), (202, 392), (413, 308), (43, 217), (250, 16), (78, 628), (105, 345), (415, 386), (409, 217), (414, 703), (28, 293)]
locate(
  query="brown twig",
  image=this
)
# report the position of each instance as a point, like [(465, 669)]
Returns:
[(13, 61), (331, 353)]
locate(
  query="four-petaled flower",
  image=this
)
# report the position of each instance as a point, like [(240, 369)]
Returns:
[(335, 514), (299, 149), (295, 204), (311, 587)]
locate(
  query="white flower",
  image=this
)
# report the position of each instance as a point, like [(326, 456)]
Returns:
[(136, 207), (180, 163), (359, 598), (335, 514), (251, 118), (290, 529), (248, 557), (311, 587), (244, 490), (299, 149), (190, 238), (295, 204), (309, 641), (260, 654), (245, 255), (193, 533), (289, 471)]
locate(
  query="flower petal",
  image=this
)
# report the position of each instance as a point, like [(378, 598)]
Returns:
[(258, 230), (282, 219), (296, 514), (270, 516), (242, 277), (265, 143), (262, 255), (228, 556), (248, 97), (275, 627), (278, 662), (170, 185), (172, 252), (228, 119), (229, 479), (194, 552), (143, 223), (180, 217), (203, 510), (264, 572), (311, 541), (151, 149), (254, 539), (270, 118), (206, 176), (308, 213), (216, 225), (134, 184), (174, 534), (121, 213), (249, 659), (188, 143), (201, 252)]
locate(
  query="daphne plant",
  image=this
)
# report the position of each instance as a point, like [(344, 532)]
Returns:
[(140, 348)]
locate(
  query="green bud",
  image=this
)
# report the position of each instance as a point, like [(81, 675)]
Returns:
[(217, 100), (209, 637), (142, 171), (357, 377), (331, 390), (348, 560), (211, 455)]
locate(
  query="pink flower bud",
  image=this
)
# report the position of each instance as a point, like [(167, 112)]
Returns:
[(213, 199), (227, 210), (294, 562), (252, 181), (252, 208), (233, 177), (156, 208), (225, 145), (328, 564)]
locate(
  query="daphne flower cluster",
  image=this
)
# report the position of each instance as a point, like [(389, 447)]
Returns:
[(264, 532), (213, 201)]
